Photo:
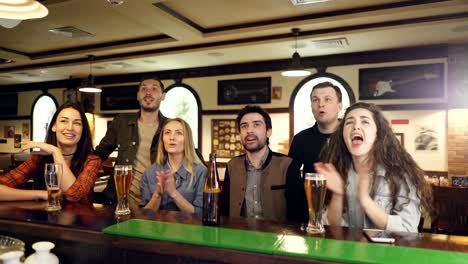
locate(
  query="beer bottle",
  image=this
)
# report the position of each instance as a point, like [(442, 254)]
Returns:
[(211, 193)]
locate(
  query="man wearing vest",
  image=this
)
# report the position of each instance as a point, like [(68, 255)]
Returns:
[(262, 184)]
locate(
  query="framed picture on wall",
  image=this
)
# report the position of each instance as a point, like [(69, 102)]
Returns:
[(225, 138), (244, 91), (402, 82), (119, 98)]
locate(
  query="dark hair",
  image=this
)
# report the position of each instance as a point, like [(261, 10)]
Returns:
[(254, 109), (151, 77), (84, 146), (387, 151), (327, 85)]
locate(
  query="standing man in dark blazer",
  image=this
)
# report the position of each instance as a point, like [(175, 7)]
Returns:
[(135, 135)]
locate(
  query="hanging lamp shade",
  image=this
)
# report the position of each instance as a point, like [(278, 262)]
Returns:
[(22, 9), (89, 86), (295, 68)]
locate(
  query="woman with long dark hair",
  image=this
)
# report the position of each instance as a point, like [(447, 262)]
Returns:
[(374, 182), (69, 143)]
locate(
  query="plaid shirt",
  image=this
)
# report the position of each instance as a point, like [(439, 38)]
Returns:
[(81, 191)]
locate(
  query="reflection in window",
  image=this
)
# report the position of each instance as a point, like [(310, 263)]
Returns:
[(43, 110), (303, 117), (180, 102)]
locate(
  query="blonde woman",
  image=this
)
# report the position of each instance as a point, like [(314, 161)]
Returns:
[(175, 181)]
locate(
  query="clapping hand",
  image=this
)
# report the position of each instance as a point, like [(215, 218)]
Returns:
[(334, 180), (169, 183), (160, 178)]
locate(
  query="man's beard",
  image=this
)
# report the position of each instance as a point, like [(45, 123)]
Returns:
[(149, 109), (256, 148)]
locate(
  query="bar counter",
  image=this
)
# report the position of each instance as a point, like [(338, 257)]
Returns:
[(92, 234)]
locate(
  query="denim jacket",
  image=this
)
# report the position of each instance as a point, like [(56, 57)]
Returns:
[(191, 191)]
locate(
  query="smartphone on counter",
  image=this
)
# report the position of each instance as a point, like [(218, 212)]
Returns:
[(379, 236)]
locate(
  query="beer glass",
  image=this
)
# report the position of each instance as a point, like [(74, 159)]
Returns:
[(52, 176), (315, 189), (123, 179)]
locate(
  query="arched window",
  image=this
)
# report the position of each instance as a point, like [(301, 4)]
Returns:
[(183, 102), (43, 109), (300, 100)]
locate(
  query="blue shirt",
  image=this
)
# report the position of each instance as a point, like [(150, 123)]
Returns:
[(192, 192)]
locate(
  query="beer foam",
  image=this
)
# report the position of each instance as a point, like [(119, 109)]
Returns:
[(315, 176)]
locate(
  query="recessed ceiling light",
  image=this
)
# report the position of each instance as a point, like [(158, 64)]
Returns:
[(215, 54), (299, 46), (115, 2), (306, 2), (121, 65), (5, 61), (150, 61)]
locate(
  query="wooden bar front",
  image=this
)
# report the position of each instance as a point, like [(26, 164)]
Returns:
[(76, 232)]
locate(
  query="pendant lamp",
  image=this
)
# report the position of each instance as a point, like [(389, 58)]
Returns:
[(89, 86), (295, 68)]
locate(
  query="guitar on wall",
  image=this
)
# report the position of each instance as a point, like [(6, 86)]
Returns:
[(381, 87)]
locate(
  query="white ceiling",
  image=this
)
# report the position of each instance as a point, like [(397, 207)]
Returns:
[(138, 36)]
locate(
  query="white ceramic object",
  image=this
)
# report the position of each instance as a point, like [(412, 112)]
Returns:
[(12, 257), (43, 254)]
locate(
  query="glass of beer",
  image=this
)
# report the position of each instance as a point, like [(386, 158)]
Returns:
[(315, 188), (123, 179), (52, 176)]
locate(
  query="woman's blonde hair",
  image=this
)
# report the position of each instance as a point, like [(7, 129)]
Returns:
[(190, 156)]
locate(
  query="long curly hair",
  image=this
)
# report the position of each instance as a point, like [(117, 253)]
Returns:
[(400, 167)]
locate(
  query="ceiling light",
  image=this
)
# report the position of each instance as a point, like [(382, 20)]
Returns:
[(115, 2), (89, 86), (306, 2), (295, 68), (22, 9), (9, 23), (215, 54)]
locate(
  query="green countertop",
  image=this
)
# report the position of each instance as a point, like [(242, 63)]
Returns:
[(282, 244)]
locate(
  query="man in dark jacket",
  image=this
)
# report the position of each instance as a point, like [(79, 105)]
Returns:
[(326, 105), (135, 136)]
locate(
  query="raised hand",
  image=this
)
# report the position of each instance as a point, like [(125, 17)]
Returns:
[(334, 180), (169, 184), (160, 178), (45, 149)]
